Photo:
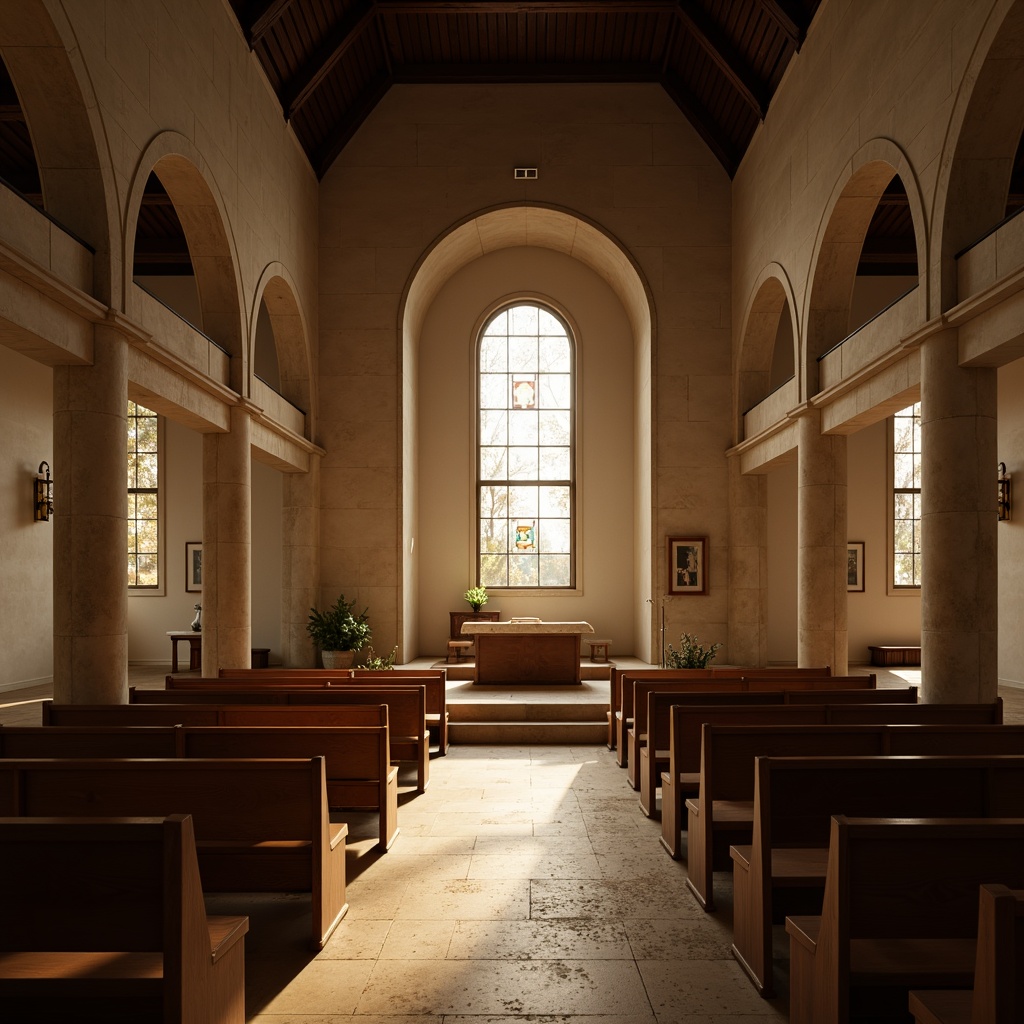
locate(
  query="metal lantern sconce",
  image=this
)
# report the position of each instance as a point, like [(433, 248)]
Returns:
[(1003, 501), (44, 494)]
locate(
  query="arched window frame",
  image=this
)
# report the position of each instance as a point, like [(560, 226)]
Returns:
[(485, 574)]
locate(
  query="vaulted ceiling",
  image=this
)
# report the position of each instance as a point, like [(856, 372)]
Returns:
[(331, 61)]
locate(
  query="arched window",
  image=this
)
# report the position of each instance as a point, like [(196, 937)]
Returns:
[(526, 385)]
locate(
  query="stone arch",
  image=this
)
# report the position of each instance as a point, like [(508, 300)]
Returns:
[(199, 205), (564, 231), (44, 60), (291, 340), (837, 247), (772, 298), (984, 131)]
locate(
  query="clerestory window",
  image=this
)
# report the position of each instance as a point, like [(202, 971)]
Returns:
[(526, 449)]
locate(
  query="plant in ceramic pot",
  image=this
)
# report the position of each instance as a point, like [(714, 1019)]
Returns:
[(691, 653), (338, 632), (477, 597)]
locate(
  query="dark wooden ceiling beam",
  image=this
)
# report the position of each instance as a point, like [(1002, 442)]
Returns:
[(785, 15), (261, 16), (702, 121), (296, 92), (439, 74), (443, 7), (725, 57)]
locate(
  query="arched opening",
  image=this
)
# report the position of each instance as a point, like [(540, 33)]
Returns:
[(61, 117), (767, 358), (866, 259), (489, 260), (18, 166), (191, 210), (985, 177), (281, 355), (162, 264)]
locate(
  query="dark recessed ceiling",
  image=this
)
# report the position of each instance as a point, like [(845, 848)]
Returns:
[(331, 61)]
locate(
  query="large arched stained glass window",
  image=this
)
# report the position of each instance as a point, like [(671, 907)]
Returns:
[(525, 449)]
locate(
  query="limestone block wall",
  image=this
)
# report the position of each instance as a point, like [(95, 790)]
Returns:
[(427, 159), (26, 547)]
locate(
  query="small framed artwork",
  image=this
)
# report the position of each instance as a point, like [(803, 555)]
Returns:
[(687, 565), (855, 565), (193, 566)]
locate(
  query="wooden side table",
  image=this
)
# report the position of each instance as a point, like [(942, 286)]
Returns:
[(195, 649)]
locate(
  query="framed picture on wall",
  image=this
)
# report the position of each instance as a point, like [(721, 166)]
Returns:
[(855, 565), (193, 566), (687, 565)]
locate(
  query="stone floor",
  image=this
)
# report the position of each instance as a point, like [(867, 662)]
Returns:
[(525, 885)]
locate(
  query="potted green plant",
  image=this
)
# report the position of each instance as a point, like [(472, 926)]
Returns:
[(477, 597), (691, 653), (338, 633), (376, 663)]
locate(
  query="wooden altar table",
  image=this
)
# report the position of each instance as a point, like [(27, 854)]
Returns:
[(532, 652)]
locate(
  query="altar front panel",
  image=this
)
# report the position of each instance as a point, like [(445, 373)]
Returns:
[(552, 658)]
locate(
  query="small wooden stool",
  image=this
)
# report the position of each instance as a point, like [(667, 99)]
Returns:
[(599, 650), (457, 649)]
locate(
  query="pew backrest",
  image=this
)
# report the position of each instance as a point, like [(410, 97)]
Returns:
[(63, 917)]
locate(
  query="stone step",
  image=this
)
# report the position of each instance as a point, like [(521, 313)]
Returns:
[(523, 711), (494, 733)]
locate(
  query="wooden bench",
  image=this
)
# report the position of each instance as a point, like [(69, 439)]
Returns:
[(998, 993), (357, 763), (721, 814), (407, 715), (783, 869), (636, 734), (432, 680), (260, 825), (679, 680), (654, 747), (104, 920), (895, 655), (894, 915), (616, 678)]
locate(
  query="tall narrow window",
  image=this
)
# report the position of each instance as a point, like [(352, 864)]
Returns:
[(143, 494), (906, 497), (525, 449)]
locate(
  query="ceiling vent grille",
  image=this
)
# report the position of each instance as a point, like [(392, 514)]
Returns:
[(525, 172)]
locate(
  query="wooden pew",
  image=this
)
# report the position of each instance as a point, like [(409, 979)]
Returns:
[(96, 741), (432, 680), (634, 692), (894, 915), (785, 861), (260, 825), (103, 920), (357, 762), (653, 748), (998, 993), (732, 671), (681, 779), (407, 716), (721, 814)]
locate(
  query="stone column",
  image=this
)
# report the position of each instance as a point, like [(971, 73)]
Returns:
[(821, 546), (301, 563), (748, 568), (227, 546), (959, 581), (90, 499)]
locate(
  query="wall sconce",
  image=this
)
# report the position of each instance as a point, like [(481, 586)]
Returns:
[(44, 494), (1003, 501)]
